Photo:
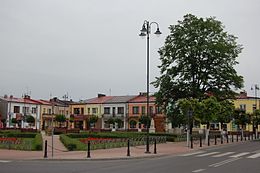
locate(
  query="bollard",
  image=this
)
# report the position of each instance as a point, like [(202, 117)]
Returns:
[(237, 137), (241, 137), (245, 137), (208, 140), (88, 156), (200, 141), (215, 139), (227, 139), (221, 139), (45, 150), (191, 142), (128, 147), (232, 138), (155, 150)]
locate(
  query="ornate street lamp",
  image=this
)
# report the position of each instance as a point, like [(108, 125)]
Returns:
[(145, 32)]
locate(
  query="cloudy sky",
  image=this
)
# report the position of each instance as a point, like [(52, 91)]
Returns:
[(85, 47)]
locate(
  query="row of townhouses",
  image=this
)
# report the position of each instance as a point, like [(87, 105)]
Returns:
[(126, 110)]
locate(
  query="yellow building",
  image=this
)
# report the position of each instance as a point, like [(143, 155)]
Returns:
[(50, 108), (249, 104)]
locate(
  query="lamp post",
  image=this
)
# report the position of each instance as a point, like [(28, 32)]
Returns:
[(256, 87), (146, 31)]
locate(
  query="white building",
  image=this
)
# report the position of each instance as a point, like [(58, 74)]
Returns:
[(19, 109), (116, 108)]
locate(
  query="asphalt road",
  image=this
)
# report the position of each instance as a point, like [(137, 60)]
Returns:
[(237, 158)]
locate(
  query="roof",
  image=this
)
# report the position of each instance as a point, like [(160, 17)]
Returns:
[(119, 99), (98, 100), (20, 100), (142, 99)]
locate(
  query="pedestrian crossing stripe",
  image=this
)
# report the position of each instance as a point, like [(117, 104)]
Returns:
[(207, 154), (254, 156), (218, 154), (4, 161), (240, 154), (223, 154)]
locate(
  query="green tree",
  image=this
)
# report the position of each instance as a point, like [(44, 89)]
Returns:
[(198, 60), (14, 121), (60, 118), (30, 119), (92, 120), (119, 122), (226, 112), (145, 120), (208, 111), (241, 118), (256, 119)]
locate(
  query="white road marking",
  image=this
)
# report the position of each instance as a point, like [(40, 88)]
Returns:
[(207, 154), (240, 154), (4, 161), (254, 156), (223, 154), (190, 154), (223, 162), (199, 170)]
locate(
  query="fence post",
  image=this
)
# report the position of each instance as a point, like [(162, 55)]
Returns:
[(88, 156), (215, 139), (245, 136), (155, 149), (200, 141), (221, 139), (241, 137), (208, 140), (191, 142), (128, 147), (45, 150), (232, 138), (227, 138)]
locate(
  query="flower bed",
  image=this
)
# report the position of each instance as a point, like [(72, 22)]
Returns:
[(101, 140), (7, 140)]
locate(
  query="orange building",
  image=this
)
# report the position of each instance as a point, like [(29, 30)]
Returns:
[(138, 107)]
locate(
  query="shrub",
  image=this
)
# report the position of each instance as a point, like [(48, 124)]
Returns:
[(72, 144), (37, 142)]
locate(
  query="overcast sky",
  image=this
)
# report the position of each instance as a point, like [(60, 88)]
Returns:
[(85, 47)]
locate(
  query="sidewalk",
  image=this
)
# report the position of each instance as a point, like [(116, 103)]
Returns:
[(60, 152), (115, 153)]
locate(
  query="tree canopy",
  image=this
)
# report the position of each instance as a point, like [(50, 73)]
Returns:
[(198, 60)]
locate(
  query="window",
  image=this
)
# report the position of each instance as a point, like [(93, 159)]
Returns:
[(16, 109), (94, 110), (88, 111), (135, 110), (44, 110), (25, 110), (120, 110), (151, 110), (158, 110), (114, 111), (76, 111), (107, 110), (254, 107), (34, 110), (49, 111), (143, 110), (243, 107), (82, 111)]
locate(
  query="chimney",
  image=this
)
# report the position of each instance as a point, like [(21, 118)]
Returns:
[(5, 96), (101, 95), (142, 94), (27, 96), (243, 94)]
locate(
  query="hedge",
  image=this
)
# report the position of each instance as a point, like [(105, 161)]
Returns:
[(37, 142)]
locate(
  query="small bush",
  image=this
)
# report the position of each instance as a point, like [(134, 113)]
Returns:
[(37, 142)]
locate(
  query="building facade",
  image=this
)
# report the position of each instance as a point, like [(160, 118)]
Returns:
[(16, 110)]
